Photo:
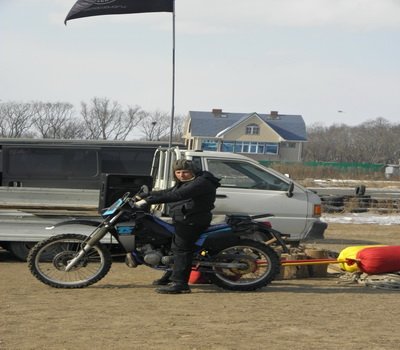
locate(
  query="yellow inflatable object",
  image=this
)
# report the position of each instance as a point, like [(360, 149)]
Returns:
[(351, 253)]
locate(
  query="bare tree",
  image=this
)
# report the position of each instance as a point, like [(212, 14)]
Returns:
[(73, 129), (179, 125), (107, 120), (53, 120), (154, 125), (375, 141), (16, 119), (157, 125), (318, 145)]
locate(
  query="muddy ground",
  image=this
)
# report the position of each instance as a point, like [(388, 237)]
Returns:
[(123, 312)]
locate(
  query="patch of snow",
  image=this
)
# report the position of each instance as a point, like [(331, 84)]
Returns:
[(350, 182), (361, 218)]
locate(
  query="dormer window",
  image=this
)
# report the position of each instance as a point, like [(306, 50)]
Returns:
[(252, 129)]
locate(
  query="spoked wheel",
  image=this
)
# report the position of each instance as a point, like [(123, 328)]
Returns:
[(247, 266), (48, 259)]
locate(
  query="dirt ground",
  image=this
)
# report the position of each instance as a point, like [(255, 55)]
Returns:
[(123, 312)]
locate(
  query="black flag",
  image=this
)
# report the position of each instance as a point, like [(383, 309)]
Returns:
[(86, 8)]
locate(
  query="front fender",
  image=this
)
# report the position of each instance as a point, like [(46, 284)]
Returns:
[(75, 222)]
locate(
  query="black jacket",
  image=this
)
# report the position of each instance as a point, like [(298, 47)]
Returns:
[(190, 202)]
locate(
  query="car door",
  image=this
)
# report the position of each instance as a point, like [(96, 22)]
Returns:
[(249, 188)]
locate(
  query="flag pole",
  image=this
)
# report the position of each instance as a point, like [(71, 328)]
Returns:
[(173, 76)]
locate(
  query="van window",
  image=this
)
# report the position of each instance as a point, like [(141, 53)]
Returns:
[(51, 163), (126, 161), (244, 175)]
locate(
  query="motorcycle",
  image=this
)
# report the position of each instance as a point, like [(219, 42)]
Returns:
[(232, 255)]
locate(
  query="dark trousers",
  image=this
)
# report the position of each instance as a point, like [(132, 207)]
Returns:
[(183, 247)]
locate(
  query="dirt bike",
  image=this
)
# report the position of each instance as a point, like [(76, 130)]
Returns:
[(232, 255)]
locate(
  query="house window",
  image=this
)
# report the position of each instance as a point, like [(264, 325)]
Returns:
[(209, 145), (238, 147), (249, 147), (252, 129), (271, 148), (228, 147)]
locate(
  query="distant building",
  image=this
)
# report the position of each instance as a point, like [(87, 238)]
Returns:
[(270, 136)]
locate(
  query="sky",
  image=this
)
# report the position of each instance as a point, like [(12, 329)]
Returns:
[(331, 61)]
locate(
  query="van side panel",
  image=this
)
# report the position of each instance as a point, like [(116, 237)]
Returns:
[(77, 168)]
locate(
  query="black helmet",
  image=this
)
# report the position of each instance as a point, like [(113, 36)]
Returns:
[(184, 164)]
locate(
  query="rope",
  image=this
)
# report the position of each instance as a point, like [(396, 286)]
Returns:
[(388, 281), (349, 278)]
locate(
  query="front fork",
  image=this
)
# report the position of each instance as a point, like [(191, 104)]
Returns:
[(92, 240)]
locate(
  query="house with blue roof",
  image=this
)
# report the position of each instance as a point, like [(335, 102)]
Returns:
[(260, 136)]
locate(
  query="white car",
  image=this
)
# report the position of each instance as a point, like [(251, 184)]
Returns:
[(250, 188)]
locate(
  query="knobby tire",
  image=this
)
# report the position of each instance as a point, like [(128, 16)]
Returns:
[(234, 280), (47, 259)]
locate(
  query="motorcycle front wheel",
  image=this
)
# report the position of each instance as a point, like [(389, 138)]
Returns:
[(48, 259), (258, 266)]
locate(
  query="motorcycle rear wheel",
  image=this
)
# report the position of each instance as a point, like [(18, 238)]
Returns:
[(47, 261), (262, 265)]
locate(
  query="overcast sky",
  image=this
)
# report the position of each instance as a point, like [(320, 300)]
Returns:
[(331, 61)]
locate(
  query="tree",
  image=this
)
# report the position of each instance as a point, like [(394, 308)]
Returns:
[(179, 124), (16, 119), (378, 140), (157, 125), (107, 120), (56, 121), (73, 129), (375, 141), (154, 125)]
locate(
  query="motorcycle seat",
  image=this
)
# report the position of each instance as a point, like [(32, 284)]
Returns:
[(217, 227)]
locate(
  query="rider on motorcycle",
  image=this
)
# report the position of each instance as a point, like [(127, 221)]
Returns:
[(190, 203)]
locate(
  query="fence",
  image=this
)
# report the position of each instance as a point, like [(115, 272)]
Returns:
[(358, 202), (324, 170)]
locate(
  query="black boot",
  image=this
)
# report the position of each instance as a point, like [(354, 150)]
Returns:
[(164, 280), (174, 288)]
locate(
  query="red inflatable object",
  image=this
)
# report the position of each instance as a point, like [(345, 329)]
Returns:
[(375, 260)]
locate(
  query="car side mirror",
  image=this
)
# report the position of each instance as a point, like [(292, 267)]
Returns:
[(289, 192)]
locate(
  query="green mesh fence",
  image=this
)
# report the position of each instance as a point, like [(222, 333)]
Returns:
[(367, 167)]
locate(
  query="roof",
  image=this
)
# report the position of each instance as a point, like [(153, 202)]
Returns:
[(209, 124), (18, 142)]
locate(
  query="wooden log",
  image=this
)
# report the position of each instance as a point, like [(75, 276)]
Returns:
[(320, 270), (293, 272)]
